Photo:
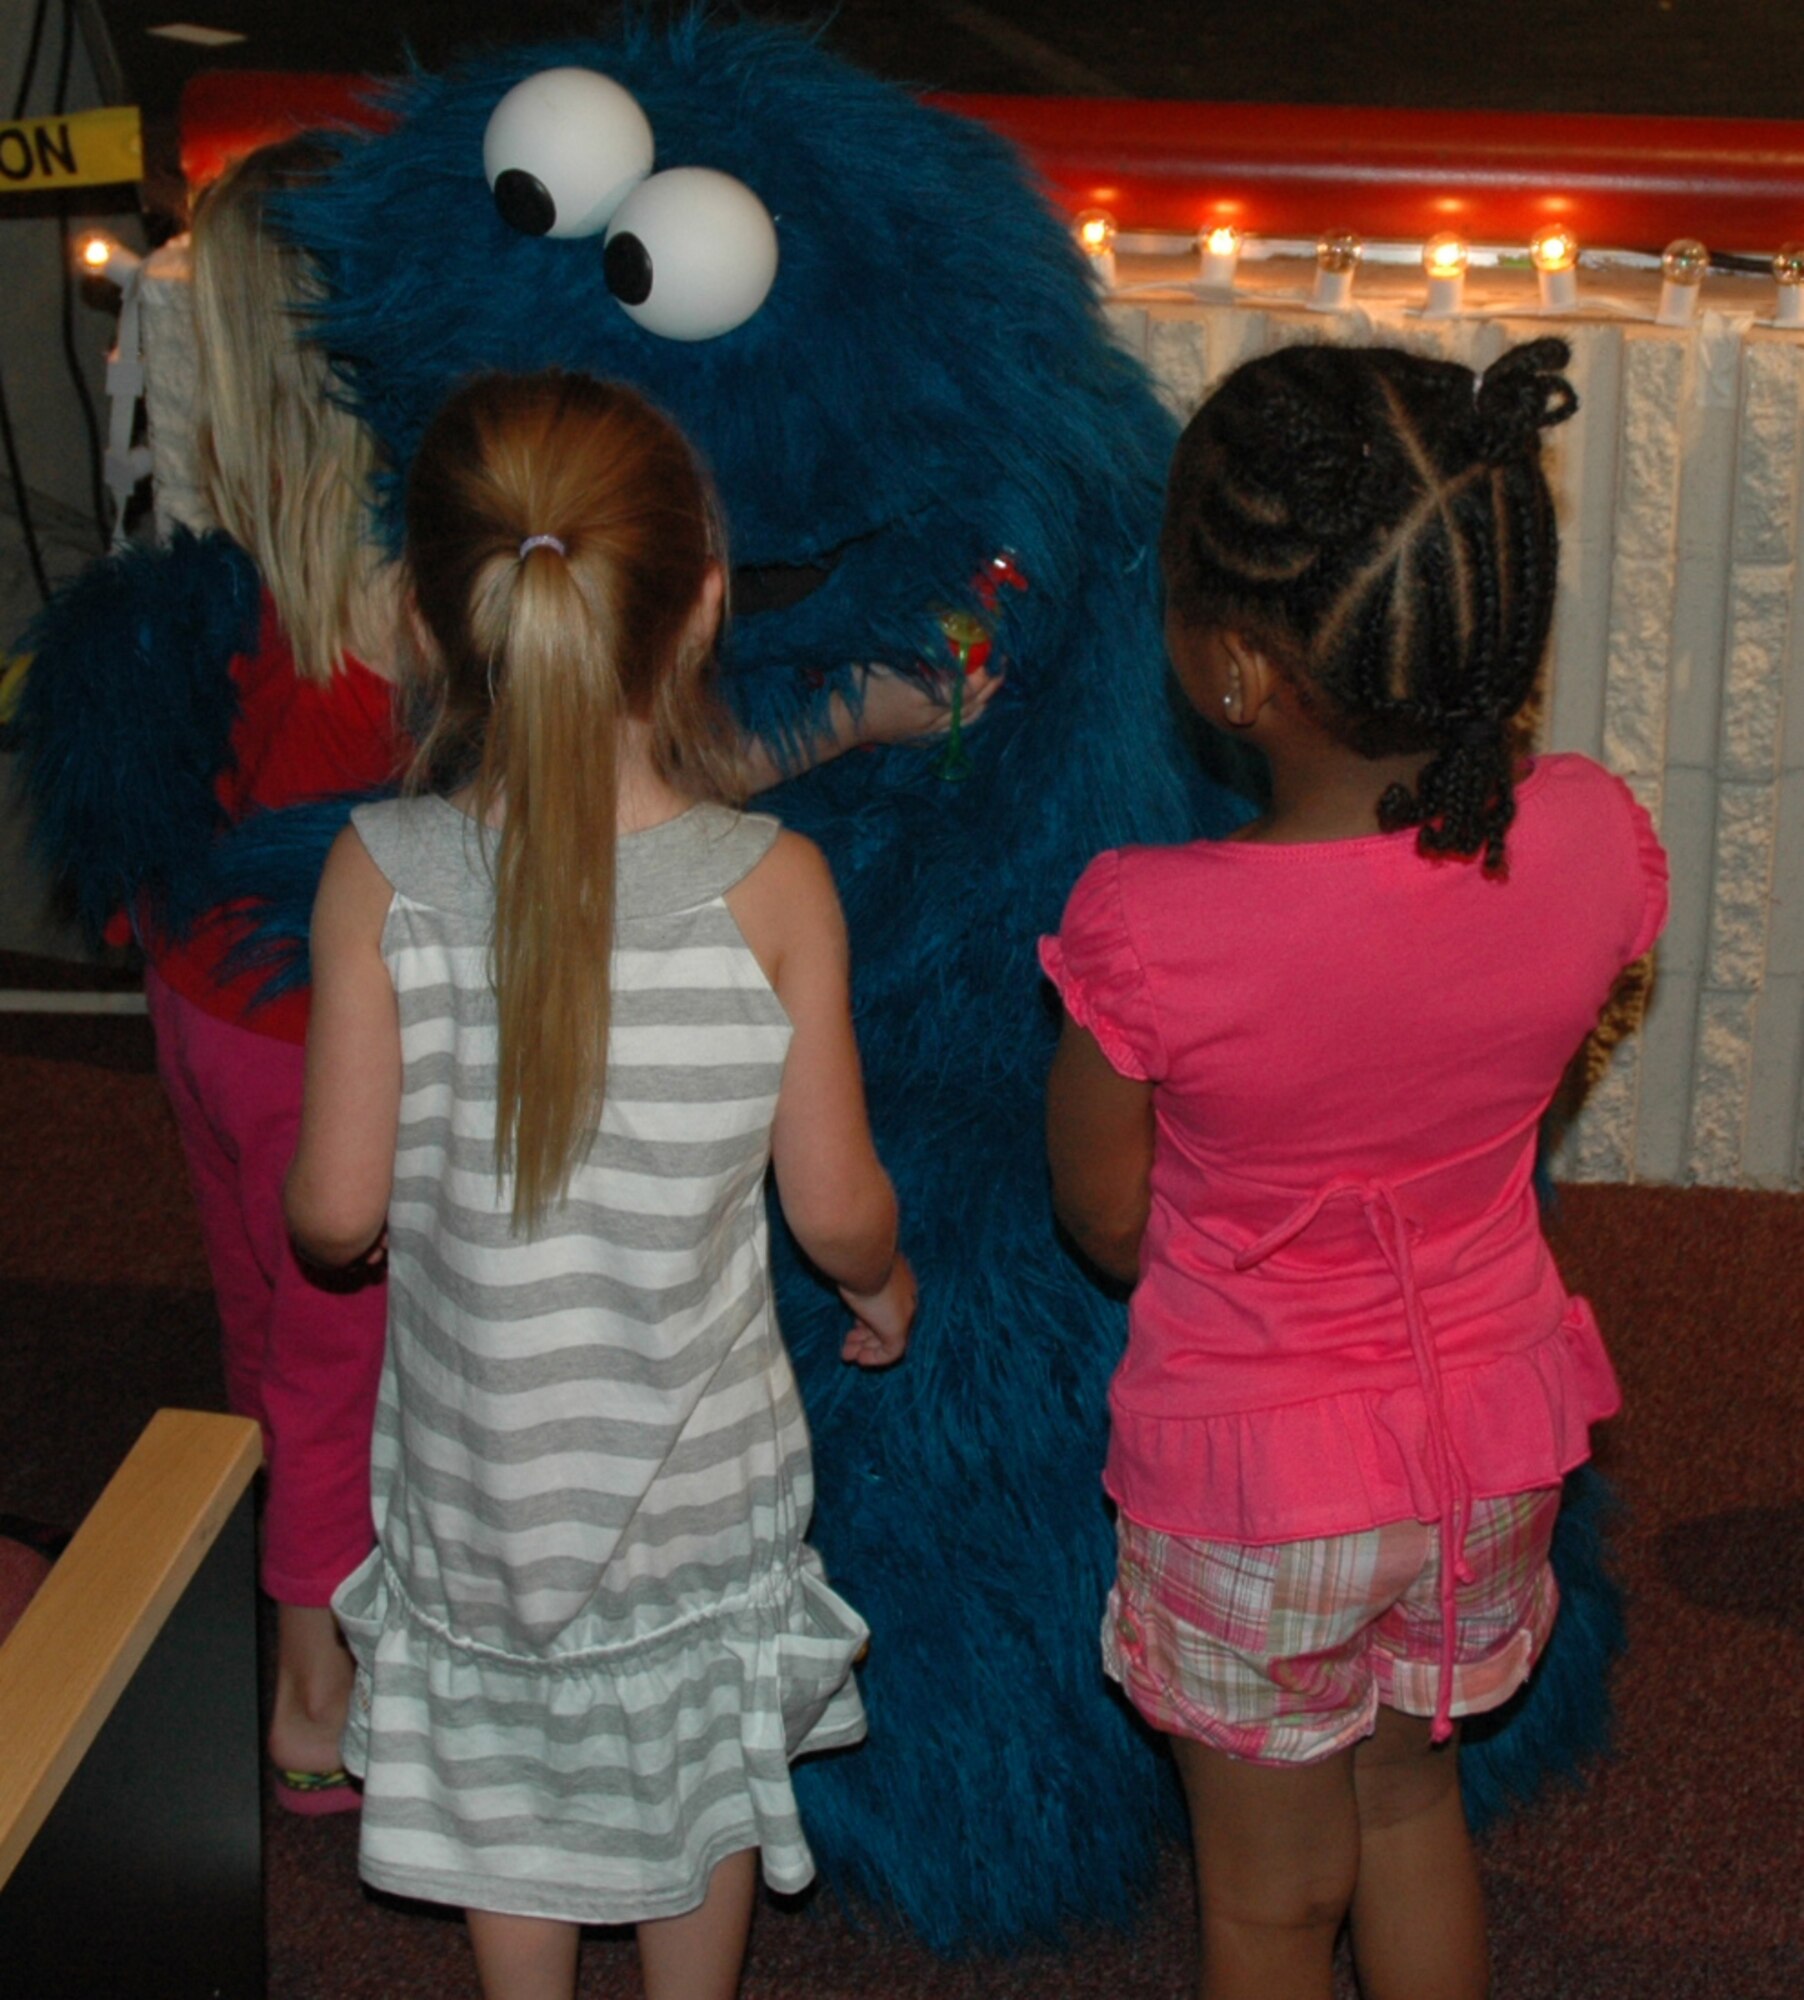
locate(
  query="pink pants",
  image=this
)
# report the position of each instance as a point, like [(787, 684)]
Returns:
[(301, 1356)]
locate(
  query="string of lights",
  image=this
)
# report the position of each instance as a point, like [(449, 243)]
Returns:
[(1553, 253)]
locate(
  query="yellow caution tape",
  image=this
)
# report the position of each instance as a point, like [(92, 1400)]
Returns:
[(83, 149), (12, 684)]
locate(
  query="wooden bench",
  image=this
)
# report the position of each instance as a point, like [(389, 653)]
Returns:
[(130, 1837)]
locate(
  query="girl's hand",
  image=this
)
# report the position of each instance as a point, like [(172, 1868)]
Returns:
[(884, 1318), (898, 708)]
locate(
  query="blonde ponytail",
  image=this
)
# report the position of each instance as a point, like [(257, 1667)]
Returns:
[(559, 537), (287, 468), (551, 755)]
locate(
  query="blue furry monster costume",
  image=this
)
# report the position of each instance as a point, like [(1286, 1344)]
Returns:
[(928, 383)]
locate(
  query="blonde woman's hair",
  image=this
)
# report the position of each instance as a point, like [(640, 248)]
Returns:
[(286, 467), (537, 655)]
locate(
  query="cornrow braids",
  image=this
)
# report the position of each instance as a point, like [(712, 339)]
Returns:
[(1379, 523)]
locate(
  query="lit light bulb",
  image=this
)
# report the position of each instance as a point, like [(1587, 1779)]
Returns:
[(1554, 252), (1682, 269), (1218, 256), (1337, 257), (1095, 229), (1444, 258), (104, 257), (1788, 275), (1554, 248)]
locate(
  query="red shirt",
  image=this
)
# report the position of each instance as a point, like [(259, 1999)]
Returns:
[(294, 740)]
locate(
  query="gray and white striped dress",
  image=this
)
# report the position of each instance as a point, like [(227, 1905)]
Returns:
[(592, 1636)]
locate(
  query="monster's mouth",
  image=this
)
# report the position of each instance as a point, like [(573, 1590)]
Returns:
[(761, 587), (781, 586)]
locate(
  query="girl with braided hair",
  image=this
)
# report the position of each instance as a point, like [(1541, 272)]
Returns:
[(1295, 1106)]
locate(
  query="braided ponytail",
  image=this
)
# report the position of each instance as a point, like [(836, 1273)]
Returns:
[(1464, 799), (1520, 395)]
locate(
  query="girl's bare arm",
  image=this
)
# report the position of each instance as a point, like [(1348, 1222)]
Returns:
[(1099, 1139), (895, 708), (338, 1188), (835, 1195)]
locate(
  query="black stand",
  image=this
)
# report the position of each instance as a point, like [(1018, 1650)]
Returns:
[(146, 1880)]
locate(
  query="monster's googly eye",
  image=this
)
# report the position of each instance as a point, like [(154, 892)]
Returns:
[(561, 149), (691, 253)]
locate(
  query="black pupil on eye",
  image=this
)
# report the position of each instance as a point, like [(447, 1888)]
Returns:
[(626, 264), (524, 202)]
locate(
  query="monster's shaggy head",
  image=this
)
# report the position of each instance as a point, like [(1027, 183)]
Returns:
[(901, 404)]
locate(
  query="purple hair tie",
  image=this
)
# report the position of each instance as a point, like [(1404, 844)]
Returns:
[(541, 542)]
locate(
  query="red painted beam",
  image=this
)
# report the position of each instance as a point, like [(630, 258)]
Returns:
[(226, 113), (1276, 169), (1296, 170)]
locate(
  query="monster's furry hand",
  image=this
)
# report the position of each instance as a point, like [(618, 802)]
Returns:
[(883, 1318)]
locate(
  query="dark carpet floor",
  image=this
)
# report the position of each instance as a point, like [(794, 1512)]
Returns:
[(1674, 1874)]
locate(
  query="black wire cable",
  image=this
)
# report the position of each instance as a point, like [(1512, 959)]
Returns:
[(16, 471), (97, 492), (28, 75), (22, 495)]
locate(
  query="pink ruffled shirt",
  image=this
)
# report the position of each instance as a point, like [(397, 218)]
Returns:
[(1346, 1311)]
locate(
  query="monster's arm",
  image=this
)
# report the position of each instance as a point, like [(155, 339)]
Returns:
[(890, 707), (124, 723), (271, 864), (1099, 1139)]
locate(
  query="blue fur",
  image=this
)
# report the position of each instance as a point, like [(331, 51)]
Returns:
[(125, 720), (1563, 1716), (929, 382), (272, 863)]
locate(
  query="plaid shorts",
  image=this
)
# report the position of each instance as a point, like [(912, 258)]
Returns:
[(1282, 1652)]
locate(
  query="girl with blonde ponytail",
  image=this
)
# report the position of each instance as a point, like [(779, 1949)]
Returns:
[(569, 1004), (286, 470)]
